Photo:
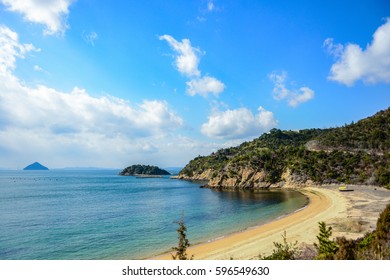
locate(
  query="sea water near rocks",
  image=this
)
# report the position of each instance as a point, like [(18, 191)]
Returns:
[(64, 214)]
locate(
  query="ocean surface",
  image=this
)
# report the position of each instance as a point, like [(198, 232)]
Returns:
[(96, 214)]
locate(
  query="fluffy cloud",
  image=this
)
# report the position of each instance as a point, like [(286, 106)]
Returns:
[(51, 13), (65, 127), (42, 121), (78, 112), (372, 64), (187, 62), (238, 124), (187, 59), (204, 86), (293, 97), (10, 49)]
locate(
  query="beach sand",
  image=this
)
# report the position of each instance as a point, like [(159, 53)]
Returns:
[(350, 214)]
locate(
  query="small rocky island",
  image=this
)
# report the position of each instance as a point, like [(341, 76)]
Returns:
[(143, 171), (35, 166)]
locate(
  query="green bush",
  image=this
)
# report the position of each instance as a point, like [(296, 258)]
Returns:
[(283, 251)]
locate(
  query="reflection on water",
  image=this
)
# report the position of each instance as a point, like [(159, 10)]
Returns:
[(256, 196)]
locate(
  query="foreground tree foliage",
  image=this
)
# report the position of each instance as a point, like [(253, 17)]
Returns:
[(326, 247), (346, 249), (382, 235), (283, 251), (181, 249), (373, 246)]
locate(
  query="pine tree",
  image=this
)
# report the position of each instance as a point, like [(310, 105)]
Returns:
[(326, 247), (181, 249)]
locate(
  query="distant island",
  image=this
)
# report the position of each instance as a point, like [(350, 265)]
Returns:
[(35, 166), (143, 170)]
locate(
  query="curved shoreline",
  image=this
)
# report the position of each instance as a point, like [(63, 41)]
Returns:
[(300, 225)]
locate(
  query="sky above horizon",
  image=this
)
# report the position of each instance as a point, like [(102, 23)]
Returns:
[(87, 83)]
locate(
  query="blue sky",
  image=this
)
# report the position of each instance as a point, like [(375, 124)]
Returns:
[(114, 83)]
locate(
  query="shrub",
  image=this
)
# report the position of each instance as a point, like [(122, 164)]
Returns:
[(283, 251), (382, 234), (346, 249)]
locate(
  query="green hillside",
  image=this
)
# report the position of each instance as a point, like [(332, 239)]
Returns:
[(139, 169), (356, 153)]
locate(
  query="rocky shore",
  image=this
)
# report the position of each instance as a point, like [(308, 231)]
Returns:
[(246, 178)]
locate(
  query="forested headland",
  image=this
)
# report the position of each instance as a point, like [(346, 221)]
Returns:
[(357, 153)]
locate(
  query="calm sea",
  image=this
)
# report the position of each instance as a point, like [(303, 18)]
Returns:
[(63, 214)]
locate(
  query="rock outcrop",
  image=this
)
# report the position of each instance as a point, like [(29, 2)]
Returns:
[(247, 178)]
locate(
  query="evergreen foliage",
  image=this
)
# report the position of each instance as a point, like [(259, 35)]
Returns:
[(283, 251), (382, 235), (354, 154), (326, 247), (139, 169), (373, 246), (181, 249), (370, 134)]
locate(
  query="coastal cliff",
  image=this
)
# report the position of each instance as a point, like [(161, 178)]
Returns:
[(357, 153)]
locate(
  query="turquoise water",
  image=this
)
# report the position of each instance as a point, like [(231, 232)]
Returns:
[(63, 214)]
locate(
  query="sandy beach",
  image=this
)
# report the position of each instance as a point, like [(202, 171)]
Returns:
[(351, 214)]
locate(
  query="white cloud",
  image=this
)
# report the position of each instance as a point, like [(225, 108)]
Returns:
[(304, 95), (38, 68), (372, 64), (333, 49), (10, 49), (205, 86), (187, 59), (201, 19), (68, 128), (51, 13), (293, 97), (90, 38), (238, 124), (49, 110), (187, 62), (210, 6)]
